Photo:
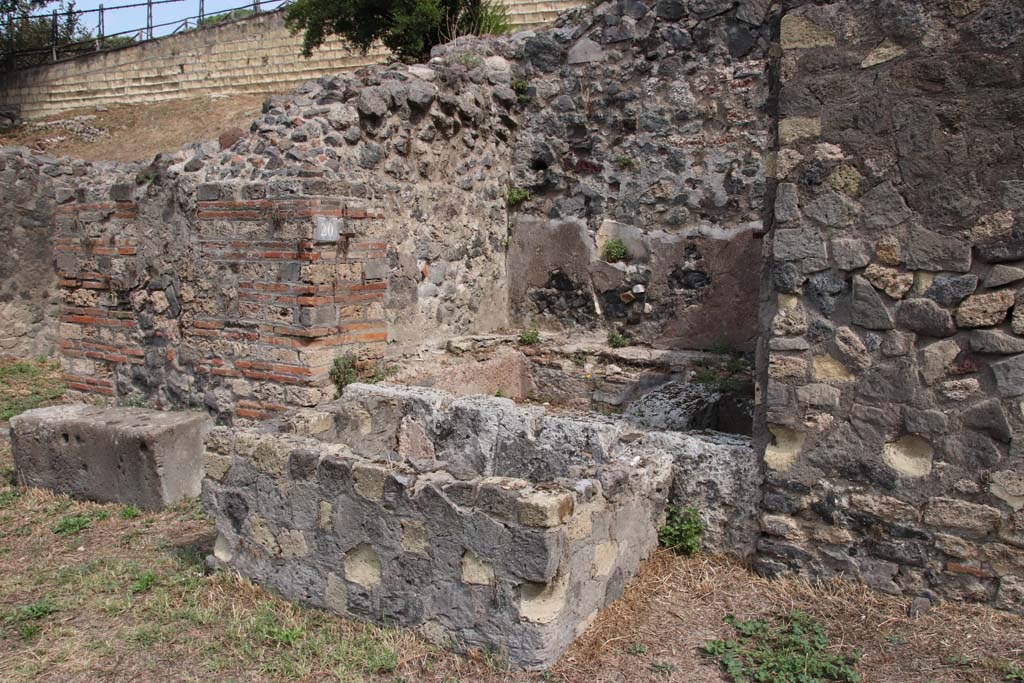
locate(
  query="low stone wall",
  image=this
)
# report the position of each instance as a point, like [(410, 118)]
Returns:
[(252, 55), (484, 524), (147, 458)]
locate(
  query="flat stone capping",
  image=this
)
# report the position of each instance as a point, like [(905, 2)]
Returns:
[(145, 457), (481, 523)]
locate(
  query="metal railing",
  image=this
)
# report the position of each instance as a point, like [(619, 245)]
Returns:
[(101, 40)]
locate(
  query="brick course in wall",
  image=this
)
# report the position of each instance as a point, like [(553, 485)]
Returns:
[(270, 313), (252, 55)]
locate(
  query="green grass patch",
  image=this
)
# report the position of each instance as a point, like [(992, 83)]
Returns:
[(349, 369), (790, 649), (25, 385), (40, 609), (130, 512), (72, 525)]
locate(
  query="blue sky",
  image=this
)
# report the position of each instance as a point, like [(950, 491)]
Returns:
[(135, 17)]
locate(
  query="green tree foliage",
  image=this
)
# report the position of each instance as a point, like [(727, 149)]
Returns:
[(409, 28), (32, 36)]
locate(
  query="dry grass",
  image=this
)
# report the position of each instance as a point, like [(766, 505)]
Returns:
[(140, 132), (122, 596)]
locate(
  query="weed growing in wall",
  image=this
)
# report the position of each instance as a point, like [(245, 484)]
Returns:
[(348, 369), (793, 649), (344, 372), (516, 195), (522, 90), (617, 340), (682, 530), (529, 337), (614, 250)]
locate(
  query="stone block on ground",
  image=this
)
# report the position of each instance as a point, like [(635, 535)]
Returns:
[(148, 458)]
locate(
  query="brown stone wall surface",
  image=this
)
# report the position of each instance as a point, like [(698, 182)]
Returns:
[(253, 55), (894, 372)]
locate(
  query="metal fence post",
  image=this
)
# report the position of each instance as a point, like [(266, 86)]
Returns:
[(149, 19), (99, 30), (53, 36), (202, 13)]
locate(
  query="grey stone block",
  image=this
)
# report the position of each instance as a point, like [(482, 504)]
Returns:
[(144, 457)]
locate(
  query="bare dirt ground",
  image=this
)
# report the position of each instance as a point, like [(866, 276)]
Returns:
[(140, 132)]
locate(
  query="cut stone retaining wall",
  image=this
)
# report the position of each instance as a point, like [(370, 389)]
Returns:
[(251, 55)]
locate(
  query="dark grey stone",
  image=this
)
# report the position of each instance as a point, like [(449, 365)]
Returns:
[(1009, 376), (950, 290), (924, 316), (543, 52), (1010, 248), (850, 254), (994, 341), (585, 51), (884, 207), (824, 289), (678, 38), (787, 203), (929, 250), (705, 9), (372, 102), (421, 95), (672, 10), (868, 309), (919, 421), (786, 277), (988, 416)]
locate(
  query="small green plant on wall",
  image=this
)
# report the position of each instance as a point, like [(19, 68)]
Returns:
[(516, 195), (617, 340), (682, 530), (614, 250), (346, 370), (529, 337)]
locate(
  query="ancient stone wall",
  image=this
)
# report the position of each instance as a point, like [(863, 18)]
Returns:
[(893, 347), (252, 55), (647, 126), (486, 524), (29, 300), (370, 213)]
